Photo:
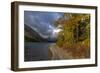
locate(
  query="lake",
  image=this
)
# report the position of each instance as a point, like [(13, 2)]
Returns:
[(36, 51)]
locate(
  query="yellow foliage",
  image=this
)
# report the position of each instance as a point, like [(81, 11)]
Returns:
[(66, 37)]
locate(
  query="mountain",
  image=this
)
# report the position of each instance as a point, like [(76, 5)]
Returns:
[(33, 35)]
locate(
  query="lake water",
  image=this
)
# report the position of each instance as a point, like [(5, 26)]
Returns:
[(36, 51)]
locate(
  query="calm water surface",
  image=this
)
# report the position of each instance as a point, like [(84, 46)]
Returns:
[(36, 51)]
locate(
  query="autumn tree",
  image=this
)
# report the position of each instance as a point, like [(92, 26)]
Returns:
[(75, 33)]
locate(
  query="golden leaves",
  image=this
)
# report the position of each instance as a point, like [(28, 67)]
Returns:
[(79, 25)]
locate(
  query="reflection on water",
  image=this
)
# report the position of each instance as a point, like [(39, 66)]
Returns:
[(36, 51)]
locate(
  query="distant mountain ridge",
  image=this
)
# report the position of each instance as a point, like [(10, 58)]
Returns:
[(32, 34)]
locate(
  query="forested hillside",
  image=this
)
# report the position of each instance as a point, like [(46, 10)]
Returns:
[(74, 39)]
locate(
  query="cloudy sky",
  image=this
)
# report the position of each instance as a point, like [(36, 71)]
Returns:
[(42, 21)]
